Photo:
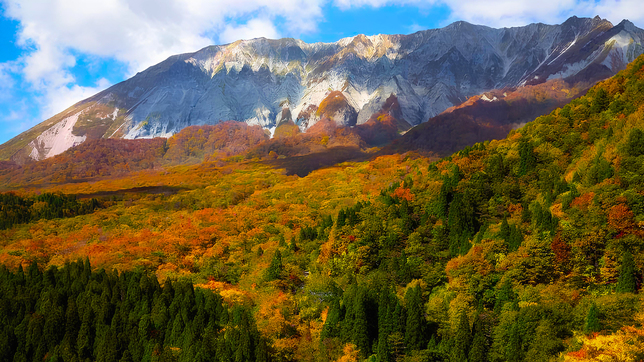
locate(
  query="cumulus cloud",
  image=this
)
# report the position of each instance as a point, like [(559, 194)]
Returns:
[(140, 33), (254, 28), (137, 33)]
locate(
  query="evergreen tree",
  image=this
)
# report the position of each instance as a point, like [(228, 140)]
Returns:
[(274, 271), (361, 326), (592, 320), (515, 239), (414, 327), (462, 339), (293, 246), (340, 221), (514, 347), (545, 343), (480, 343), (330, 328), (528, 160), (601, 101), (504, 232), (444, 198), (635, 143), (504, 295), (626, 282)]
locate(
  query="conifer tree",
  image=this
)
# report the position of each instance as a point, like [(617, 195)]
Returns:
[(341, 220), (626, 282), (478, 351), (592, 320), (504, 295), (635, 143), (515, 239), (514, 347), (601, 101), (330, 328), (462, 339), (504, 232), (528, 160), (275, 269), (545, 343), (414, 330), (360, 326)]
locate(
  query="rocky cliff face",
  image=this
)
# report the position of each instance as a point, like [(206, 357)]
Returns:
[(268, 82)]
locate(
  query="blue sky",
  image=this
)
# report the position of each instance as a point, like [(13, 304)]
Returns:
[(54, 53)]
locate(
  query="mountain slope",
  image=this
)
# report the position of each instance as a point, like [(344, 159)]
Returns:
[(267, 82), (528, 248)]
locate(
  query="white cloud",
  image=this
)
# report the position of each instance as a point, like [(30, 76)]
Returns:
[(138, 33), (65, 96), (255, 28), (500, 13)]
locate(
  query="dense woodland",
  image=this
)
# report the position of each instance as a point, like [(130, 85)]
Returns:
[(529, 248), (76, 314)]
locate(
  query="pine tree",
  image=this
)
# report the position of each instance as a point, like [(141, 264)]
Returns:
[(592, 320), (480, 343), (444, 198), (528, 160), (504, 232), (463, 338), (275, 269), (635, 143), (626, 282), (514, 349), (341, 220), (545, 343), (360, 326), (601, 101), (515, 239), (414, 330), (331, 328), (504, 295)]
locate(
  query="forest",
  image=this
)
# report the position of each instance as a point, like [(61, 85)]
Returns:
[(528, 248)]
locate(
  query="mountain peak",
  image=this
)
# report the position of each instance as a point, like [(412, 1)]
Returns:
[(256, 80)]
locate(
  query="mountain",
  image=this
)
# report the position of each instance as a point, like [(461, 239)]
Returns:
[(267, 82), (491, 115), (527, 248)]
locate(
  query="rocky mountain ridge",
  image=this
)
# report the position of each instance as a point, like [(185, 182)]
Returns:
[(267, 82)]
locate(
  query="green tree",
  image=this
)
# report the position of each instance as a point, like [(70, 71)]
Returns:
[(361, 326), (274, 271), (463, 339), (414, 328), (480, 342), (626, 282), (514, 346), (528, 160), (592, 320), (545, 344), (635, 142), (601, 101)]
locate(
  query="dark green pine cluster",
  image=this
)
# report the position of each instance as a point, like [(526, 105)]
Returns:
[(15, 209), (74, 314)]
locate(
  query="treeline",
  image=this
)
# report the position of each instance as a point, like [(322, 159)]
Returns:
[(15, 209), (76, 314)]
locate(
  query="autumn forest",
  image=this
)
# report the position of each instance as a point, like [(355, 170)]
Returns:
[(222, 243)]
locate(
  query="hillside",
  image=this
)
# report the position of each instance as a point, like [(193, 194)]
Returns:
[(269, 82), (528, 248), (485, 117)]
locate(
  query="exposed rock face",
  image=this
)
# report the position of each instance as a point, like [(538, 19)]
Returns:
[(267, 82)]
